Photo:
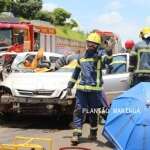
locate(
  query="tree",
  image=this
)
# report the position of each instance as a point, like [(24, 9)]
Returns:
[(45, 16), (4, 5), (26, 8), (71, 23), (60, 15)]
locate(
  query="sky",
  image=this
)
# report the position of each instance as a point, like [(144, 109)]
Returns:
[(123, 17)]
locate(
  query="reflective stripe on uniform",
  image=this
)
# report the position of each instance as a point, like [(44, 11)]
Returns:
[(78, 65), (109, 57), (94, 128), (142, 71), (106, 56), (88, 87), (78, 130), (144, 50), (73, 80), (103, 57), (131, 66), (98, 73), (87, 59)]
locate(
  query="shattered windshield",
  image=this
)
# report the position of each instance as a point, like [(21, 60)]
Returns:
[(28, 63), (18, 64), (144, 63)]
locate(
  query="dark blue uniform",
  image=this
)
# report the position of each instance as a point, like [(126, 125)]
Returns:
[(88, 72), (140, 62)]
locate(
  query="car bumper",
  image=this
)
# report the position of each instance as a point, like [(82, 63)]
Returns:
[(6, 99), (35, 106)]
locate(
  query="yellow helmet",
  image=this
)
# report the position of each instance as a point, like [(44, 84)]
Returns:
[(145, 32), (94, 37)]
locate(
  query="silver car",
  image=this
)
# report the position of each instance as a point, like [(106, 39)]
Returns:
[(117, 80)]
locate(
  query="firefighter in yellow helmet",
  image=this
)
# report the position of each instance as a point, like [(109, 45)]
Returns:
[(89, 88), (140, 58)]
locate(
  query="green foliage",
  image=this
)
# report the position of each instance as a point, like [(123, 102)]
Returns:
[(45, 16), (2, 5), (23, 8), (66, 32), (31, 9), (5, 5), (60, 15), (72, 24)]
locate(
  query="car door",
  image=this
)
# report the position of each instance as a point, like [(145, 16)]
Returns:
[(117, 79)]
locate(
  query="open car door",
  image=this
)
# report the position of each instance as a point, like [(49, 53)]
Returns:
[(116, 80)]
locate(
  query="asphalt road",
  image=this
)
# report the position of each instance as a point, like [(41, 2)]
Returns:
[(49, 127)]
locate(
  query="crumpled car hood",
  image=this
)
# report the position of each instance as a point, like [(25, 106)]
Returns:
[(32, 81)]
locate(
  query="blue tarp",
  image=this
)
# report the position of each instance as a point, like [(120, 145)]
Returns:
[(128, 122)]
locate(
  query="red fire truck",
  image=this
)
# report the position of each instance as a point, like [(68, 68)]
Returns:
[(106, 35), (26, 36)]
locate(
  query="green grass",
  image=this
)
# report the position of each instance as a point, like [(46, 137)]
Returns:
[(69, 34)]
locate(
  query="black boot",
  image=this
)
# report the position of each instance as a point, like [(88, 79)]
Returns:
[(93, 134), (75, 137), (75, 140)]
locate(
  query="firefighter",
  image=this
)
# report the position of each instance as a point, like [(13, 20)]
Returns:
[(140, 58), (129, 44), (89, 88)]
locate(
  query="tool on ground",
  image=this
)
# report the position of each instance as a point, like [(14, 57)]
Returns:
[(28, 143)]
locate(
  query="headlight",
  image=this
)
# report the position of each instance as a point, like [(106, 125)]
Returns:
[(56, 93), (50, 107), (64, 94)]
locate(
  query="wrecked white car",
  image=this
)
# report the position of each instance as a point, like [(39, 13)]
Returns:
[(44, 93), (14, 62)]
